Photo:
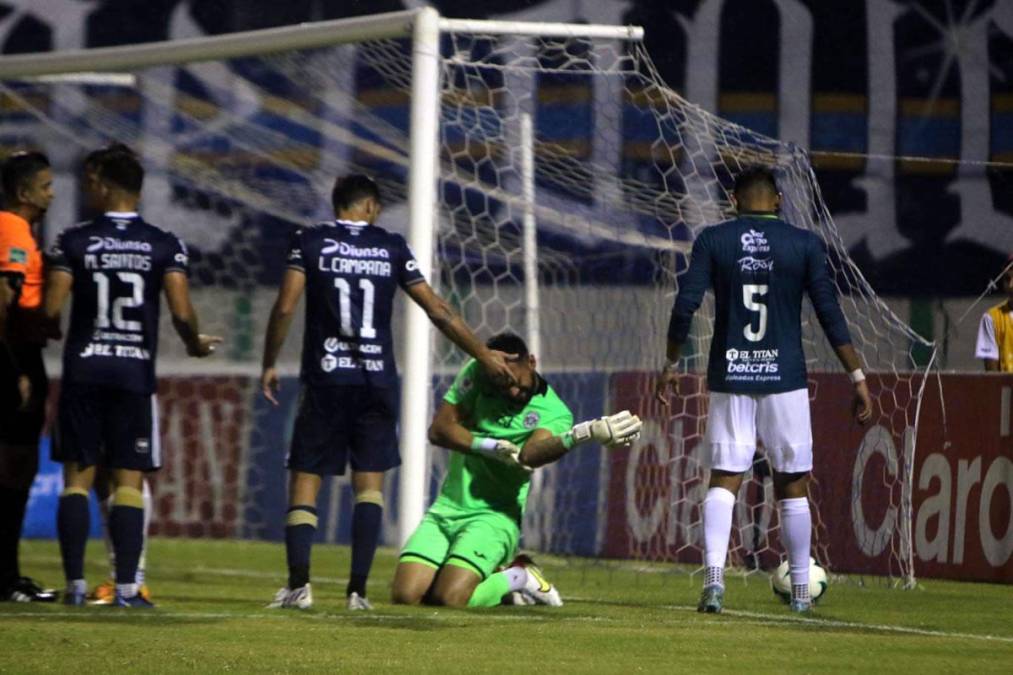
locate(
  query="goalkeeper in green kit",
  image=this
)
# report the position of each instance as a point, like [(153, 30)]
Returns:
[(499, 435)]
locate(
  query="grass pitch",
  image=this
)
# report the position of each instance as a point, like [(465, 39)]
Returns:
[(617, 618)]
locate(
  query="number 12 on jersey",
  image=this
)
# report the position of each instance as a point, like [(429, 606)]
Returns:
[(752, 298), (367, 331)]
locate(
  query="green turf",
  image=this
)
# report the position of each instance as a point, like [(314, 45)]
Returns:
[(617, 618)]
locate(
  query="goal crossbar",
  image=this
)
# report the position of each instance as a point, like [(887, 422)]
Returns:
[(265, 41)]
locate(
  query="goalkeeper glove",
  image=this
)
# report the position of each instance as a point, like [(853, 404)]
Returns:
[(612, 430), (498, 450)]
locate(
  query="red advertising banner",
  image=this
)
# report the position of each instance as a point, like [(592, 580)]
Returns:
[(881, 491), (204, 429)]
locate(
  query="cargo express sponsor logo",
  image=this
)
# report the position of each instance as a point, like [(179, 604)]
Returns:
[(758, 361), (751, 264), (754, 242)]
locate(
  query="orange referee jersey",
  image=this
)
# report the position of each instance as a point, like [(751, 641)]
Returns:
[(20, 254)]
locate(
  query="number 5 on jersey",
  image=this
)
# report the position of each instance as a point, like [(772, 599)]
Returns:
[(755, 304)]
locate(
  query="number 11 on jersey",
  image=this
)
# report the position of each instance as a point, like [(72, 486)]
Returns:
[(367, 331)]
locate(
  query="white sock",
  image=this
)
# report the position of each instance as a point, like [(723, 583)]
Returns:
[(796, 535), (717, 528), (77, 586), (148, 505), (126, 590), (104, 506), (517, 576)]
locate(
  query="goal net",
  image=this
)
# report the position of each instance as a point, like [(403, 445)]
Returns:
[(571, 182)]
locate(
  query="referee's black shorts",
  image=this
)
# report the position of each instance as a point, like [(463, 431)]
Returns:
[(22, 426)]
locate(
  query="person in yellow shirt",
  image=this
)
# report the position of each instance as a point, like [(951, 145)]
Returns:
[(27, 183), (995, 332)]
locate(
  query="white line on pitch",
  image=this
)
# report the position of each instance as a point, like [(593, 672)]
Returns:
[(836, 623), (287, 615)]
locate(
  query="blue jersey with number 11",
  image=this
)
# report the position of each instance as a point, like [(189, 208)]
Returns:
[(759, 267), (352, 272)]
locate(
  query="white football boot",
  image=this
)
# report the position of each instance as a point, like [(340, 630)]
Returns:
[(537, 587), (358, 603), (293, 598)]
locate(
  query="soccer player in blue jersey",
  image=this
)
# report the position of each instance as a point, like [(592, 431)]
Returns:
[(115, 268), (759, 267), (348, 408), (105, 592)]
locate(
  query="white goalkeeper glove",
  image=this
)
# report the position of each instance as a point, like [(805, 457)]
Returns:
[(611, 431), (498, 450)]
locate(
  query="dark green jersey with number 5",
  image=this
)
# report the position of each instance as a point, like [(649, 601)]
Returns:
[(759, 268)]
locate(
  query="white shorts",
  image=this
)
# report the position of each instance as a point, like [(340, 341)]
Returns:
[(779, 421)]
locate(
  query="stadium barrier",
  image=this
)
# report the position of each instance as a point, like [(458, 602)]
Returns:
[(639, 503)]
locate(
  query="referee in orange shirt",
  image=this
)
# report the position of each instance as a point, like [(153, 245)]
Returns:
[(27, 183)]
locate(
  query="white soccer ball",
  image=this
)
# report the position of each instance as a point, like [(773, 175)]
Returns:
[(780, 580)]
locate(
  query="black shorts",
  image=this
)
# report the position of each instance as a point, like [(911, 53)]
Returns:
[(22, 426), (334, 424), (114, 428)]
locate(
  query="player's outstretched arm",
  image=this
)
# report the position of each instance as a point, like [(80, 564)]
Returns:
[(612, 431), (448, 431), (292, 286), (452, 325), (184, 317)]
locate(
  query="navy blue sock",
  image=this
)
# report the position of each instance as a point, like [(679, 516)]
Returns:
[(126, 529), (366, 520), (12, 515), (300, 530), (72, 524)]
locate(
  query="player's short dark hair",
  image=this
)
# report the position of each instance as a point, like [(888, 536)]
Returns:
[(122, 170), (18, 170), (350, 189), (95, 157), (508, 342), (755, 180)]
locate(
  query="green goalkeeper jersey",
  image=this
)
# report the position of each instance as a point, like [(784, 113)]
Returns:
[(475, 483)]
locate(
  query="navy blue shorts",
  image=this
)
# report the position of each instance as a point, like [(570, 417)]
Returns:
[(342, 423), (114, 428)]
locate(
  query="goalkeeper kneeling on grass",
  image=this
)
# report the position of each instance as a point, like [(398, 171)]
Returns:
[(499, 435)]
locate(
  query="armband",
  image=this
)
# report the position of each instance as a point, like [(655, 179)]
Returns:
[(856, 376)]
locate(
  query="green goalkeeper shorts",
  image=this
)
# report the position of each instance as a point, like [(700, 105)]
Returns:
[(480, 542)]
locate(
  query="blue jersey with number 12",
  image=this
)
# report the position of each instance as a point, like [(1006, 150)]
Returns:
[(352, 272), (118, 262), (759, 268)]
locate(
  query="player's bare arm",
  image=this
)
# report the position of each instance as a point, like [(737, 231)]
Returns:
[(58, 286), (8, 296), (668, 378), (184, 317), (861, 403), (450, 324), (448, 431), (293, 284)]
